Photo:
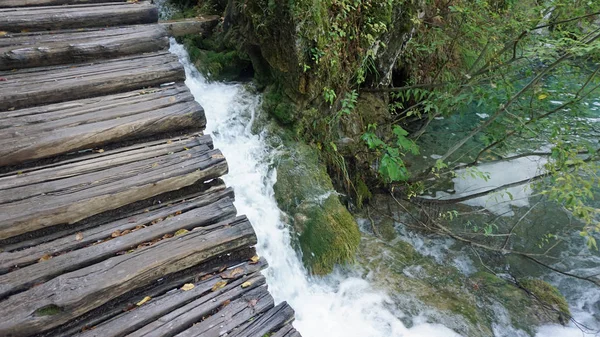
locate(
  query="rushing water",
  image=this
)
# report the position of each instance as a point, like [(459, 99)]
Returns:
[(342, 304)]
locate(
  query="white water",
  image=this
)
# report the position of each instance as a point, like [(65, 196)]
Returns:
[(340, 305)]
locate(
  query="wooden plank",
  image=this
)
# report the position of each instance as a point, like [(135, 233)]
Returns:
[(77, 16), (224, 321), (31, 3), (72, 241), (65, 127), (287, 331), (23, 278), (162, 313), (70, 295), (71, 197), (271, 321), (40, 86), (46, 49)]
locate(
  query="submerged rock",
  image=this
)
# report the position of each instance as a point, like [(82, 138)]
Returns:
[(470, 305)]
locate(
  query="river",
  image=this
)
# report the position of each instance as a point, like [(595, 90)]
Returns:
[(343, 303)]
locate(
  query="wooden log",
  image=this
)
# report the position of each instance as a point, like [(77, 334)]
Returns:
[(39, 86), (70, 295), (158, 312), (76, 16), (24, 257), (198, 26), (65, 127), (271, 321), (31, 3), (23, 278), (225, 320), (26, 208), (287, 331), (46, 49)]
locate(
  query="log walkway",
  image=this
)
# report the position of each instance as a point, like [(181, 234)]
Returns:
[(113, 218)]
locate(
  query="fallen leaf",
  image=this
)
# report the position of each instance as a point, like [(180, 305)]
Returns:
[(246, 284), (169, 141), (100, 151), (127, 231), (79, 236), (116, 234), (254, 259), (178, 213), (2, 79), (2, 33), (218, 156), (232, 273), (146, 299), (181, 232), (206, 277), (542, 96), (224, 304), (167, 236), (172, 99), (187, 286), (45, 258), (252, 302), (222, 269), (219, 285)]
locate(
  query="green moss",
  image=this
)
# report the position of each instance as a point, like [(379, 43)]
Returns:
[(548, 295), (49, 310), (278, 105), (330, 236)]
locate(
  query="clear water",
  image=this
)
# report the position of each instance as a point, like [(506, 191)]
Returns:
[(340, 305), (343, 303)]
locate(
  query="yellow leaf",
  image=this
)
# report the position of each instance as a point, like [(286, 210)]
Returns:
[(254, 259), (187, 286), (2, 33), (146, 299), (246, 284), (219, 285), (45, 258), (19, 173), (181, 232), (79, 236), (542, 96)]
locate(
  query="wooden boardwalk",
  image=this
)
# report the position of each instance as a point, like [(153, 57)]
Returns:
[(113, 219)]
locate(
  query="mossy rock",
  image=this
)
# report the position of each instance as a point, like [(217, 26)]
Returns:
[(278, 105), (464, 303), (328, 233), (549, 296)]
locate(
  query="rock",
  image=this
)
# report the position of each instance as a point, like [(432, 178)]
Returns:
[(466, 304), (328, 234)]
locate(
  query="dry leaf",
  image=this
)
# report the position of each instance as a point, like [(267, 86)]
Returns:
[(254, 259), (187, 286), (232, 273), (206, 277), (100, 151), (116, 234), (169, 141), (225, 303), (181, 232), (79, 236), (127, 231), (2, 33), (167, 236), (219, 285), (246, 284), (146, 299), (218, 156), (45, 258)]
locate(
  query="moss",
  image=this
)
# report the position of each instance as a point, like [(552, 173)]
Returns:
[(278, 105), (548, 295), (217, 62), (386, 229), (49, 310), (328, 234)]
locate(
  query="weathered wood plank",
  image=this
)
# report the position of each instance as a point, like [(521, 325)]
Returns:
[(23, 278), (67, 200), (271, 321), (158, 312), (202, 25), (287, 331), (24, 257), (40, 86), (76, 16), (224, 321), (70, 295), (31, 3), (65, 127), (46, 49)]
